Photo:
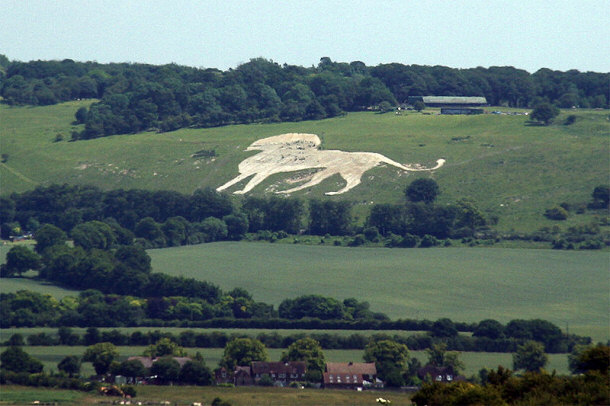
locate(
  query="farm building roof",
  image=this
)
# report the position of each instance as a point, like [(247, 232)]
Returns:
[(351, 368), (449, 101), (453, 100)]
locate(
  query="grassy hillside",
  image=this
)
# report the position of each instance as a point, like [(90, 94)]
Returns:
[(464, 284), (511, 170)]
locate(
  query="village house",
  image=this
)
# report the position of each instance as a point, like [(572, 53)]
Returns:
[(222, 375), (350, 375), (242, 376), (282, 373)]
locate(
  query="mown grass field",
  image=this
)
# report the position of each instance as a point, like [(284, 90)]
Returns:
[(187, 395), (23, 395), (512, 170), (465, 284), (8, 285)]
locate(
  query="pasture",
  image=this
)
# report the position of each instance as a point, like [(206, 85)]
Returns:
[(187, 395), (8, 285), (567, 288), (511, 170)]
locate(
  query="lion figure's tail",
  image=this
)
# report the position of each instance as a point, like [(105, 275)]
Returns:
[(414, 167)]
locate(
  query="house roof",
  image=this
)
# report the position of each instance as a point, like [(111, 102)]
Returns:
[(351, 368), (148, 361), (292, 367), (241, 370)]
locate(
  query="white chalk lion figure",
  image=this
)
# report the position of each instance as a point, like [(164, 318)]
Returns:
[(297, 152)]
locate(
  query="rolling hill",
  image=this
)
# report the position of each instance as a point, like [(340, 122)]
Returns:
[(513, 171)]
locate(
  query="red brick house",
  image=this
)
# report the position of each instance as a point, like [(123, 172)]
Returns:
[(222, 375), (242, 376), (349, 375)]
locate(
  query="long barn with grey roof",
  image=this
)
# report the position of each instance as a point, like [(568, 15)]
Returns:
[(449, 101)]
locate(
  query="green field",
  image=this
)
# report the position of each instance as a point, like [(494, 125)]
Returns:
[(511, 170), (8, 285), (21, 395), (187, 395), (5, 334), (567, 288)]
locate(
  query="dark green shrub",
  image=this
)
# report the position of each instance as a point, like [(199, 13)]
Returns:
[(428, 241), (371, 234), (570, 120), (357, 241), (393, 240), (265, 380), (409, 241), (556, 213), (129, 390)]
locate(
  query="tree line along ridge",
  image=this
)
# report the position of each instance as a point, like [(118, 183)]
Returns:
[(138, 97)]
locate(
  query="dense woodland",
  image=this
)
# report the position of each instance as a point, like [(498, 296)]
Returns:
[(99, 219), (139, 97)]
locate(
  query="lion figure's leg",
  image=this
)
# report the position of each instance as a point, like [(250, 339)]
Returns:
[(315, 179), (233, 181), (352, 179), (258, 178)]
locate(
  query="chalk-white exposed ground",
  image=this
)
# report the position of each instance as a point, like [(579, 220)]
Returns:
[(296, 152)]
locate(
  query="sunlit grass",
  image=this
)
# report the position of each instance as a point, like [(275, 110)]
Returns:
[(565, 287)]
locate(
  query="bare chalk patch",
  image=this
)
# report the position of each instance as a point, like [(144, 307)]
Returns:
[(298, 152)]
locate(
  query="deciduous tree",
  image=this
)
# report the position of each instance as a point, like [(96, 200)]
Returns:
[(422, 190), (16, 360), (166, 369), (530, 356), (20, 259), (309, 350), (195, 373), (132, 368), (389, 357), (47, 236), (101, 356), (545, 113), (69, 365), (164, 347), (242, 351)]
